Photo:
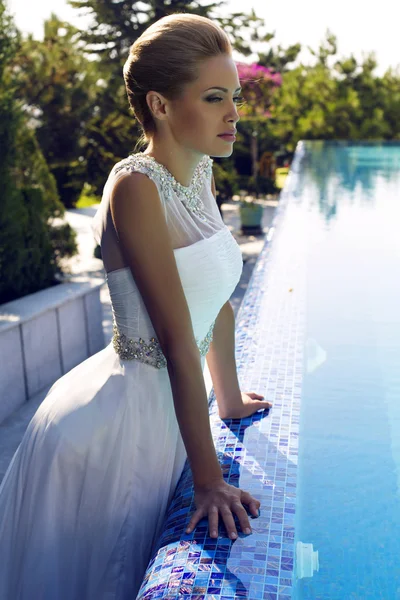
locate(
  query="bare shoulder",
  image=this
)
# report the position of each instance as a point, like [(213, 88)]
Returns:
[(134, 185)]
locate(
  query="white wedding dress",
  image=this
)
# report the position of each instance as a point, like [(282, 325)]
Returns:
[(84, 497)]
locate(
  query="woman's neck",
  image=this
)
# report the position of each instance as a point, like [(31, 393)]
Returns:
[(180, 162)]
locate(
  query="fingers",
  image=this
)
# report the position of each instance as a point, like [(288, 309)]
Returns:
[(243, 518), (196, 517), (229, 522), (266, 404), (227, 517), (262, 404), (227, 512), (213, 521), (252, 503)]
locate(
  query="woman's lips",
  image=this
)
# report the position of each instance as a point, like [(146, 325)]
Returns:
[(229, 137)]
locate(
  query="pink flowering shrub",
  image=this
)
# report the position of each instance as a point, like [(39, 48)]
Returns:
[(258, 85)]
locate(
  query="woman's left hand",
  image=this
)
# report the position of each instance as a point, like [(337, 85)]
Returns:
[(251, 403)]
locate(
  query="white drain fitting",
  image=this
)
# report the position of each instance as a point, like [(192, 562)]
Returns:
[(307, 560)]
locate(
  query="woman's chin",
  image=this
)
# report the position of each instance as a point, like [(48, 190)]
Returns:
[(222, 153)]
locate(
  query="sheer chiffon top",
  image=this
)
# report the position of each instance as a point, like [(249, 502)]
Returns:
[(208, 258), (191, 212)]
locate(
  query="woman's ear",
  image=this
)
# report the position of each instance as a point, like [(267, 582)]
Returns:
[(156, 103)]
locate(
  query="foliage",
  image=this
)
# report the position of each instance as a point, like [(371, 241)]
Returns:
[(87, 197), (28, 256), (58, 86), (32, 245), (278, 59), (116, 25), (226, 179), (343, 102), (258, 84), (263, 185)]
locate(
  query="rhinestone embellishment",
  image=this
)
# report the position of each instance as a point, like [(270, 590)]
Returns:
[(190, 196), (150, 352)]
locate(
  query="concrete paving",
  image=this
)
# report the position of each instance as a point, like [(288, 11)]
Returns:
[(13, 428)]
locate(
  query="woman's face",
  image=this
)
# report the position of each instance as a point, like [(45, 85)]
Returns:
[(208, 108)]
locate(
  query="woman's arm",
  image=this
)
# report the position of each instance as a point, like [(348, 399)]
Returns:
[(139, 221), (222, 363), (232, 402), (138, 218)]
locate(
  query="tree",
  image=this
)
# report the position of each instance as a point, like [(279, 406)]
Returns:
[(30, 248), (277, 59), (117, 24), (346, 101), (372, 94), (58, 86), (258, 85)]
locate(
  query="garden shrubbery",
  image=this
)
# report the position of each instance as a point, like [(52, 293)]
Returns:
[(30, 249)]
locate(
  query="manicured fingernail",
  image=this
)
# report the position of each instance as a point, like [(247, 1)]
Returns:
[(213, 534), (247, 531), (233, 536)]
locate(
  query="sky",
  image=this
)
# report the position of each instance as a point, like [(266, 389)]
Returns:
[(360, 27)]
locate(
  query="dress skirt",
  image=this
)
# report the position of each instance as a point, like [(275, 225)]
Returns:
[(83, 500)]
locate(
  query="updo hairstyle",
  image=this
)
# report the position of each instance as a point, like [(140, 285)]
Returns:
[(166, 57)]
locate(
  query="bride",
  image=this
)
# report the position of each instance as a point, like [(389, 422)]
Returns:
[(84, 498)]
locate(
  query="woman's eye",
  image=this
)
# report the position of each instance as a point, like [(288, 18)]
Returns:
[(237, 99)]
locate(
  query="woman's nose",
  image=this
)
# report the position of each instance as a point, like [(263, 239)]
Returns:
[(234, 115)]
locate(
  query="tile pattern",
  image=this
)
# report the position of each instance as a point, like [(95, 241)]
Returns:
[(259, 453)]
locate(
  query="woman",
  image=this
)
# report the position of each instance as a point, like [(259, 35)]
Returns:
[(83, 500)]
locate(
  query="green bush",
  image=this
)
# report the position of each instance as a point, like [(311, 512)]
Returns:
[(226, 180), (33, 249), (87, 197), (30, 247), (265, 185), (63, 243)]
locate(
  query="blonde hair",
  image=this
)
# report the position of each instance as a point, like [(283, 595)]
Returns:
[(166, 57)]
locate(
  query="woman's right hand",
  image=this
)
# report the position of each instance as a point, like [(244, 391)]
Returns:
[(220, 498)]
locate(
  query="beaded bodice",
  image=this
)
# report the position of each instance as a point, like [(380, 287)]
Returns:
[(189, 195), (209, 264)]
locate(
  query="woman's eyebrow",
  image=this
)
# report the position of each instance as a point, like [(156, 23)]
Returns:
[(222, 89)]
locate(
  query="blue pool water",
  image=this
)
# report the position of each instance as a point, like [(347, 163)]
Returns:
[(348, 490)]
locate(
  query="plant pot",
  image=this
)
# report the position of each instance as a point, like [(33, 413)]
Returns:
[(250, 218)]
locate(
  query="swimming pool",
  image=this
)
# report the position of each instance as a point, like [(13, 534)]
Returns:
[(348, 478)]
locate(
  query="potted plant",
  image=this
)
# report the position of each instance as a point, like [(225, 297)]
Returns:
[(250, 211)]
